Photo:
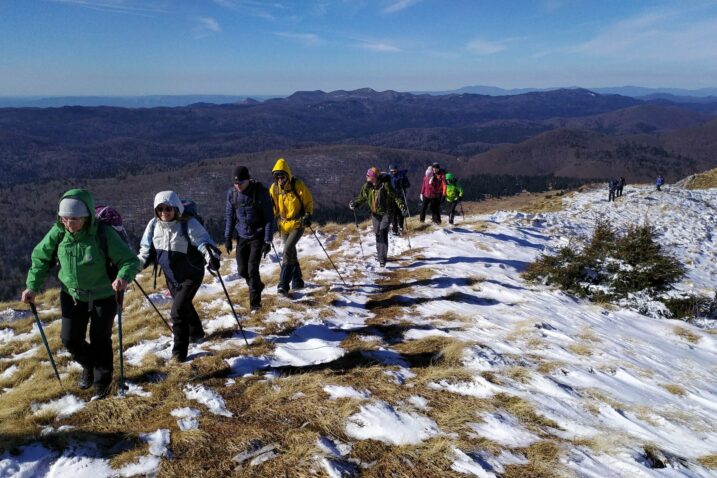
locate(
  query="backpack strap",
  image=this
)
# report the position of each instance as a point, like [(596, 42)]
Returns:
[(293, 188)]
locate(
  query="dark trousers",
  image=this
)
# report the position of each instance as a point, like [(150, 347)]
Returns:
[(290, 268), (452, 205), (248, 260), (396, 219), (96, 355), (380, 228), (619, 191), (185, 320), (435, 205), (611, 195)]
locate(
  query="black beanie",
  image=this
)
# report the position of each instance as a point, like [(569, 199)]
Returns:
[(241, 173)]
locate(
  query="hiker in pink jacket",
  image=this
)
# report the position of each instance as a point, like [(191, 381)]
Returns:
[(432, 192)]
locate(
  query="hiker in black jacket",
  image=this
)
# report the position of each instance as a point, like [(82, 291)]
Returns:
[(399, 181), (250, 213), (620, 185), (612, 189)]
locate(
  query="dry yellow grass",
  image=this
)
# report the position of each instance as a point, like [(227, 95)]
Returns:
[(543, 462), (674, 389), (686, 334), (705, 180), (581, 348), (709, 461)]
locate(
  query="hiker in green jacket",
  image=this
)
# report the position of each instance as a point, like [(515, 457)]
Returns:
[(88, 292), (380, 196), (454, 195)]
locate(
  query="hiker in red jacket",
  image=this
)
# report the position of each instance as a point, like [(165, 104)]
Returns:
[(432, 192)]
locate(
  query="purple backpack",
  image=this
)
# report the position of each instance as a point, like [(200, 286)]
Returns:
[(109, 215)]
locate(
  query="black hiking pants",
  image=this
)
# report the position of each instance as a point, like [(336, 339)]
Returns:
[(380, 228), (185, 320), (435, 205), (96, 355), (396, 219), (611, 195), (452, 205), (248, 259)]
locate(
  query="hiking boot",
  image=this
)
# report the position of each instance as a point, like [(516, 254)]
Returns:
[(283, 292), (178, 358), (86, 379), (255, 308), (382, 263), (101, 391)]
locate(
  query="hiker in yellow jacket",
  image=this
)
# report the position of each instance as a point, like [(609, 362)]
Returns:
[(293, 207)]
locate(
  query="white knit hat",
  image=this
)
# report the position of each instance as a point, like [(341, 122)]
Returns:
[(71, 207)]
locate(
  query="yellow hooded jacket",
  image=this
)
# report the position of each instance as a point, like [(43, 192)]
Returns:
[(289, 199)]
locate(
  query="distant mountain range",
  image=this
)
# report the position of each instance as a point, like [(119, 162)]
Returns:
[(150, 101), (673, 94), (676, 95)]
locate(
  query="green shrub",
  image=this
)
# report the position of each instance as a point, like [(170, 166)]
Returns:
[(613, 267)]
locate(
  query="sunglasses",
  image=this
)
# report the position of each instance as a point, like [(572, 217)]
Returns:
[(164, 208), (280, 176)]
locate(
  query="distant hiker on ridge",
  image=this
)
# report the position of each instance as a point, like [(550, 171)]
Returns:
[(293, 207), (250, 213), (659, 182), (620, 186), (433, 191), (176, 241), (380, 196), (399, 182), (81, 244), (612, 189), (454, 195)]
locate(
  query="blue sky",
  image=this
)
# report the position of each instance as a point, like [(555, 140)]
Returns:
[(139, 47)]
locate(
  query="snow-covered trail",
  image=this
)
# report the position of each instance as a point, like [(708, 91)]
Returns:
[(612, 380)]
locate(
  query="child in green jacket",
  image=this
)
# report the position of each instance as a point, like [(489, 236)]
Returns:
[(88, 292)]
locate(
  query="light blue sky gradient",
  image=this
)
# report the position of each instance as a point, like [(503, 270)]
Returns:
[(140, 47)]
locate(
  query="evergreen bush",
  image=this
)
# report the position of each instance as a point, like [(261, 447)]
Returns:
[(618, 268)]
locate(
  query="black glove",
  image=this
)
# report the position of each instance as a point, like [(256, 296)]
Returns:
[(352, 206), (404, 211), (228, 244), (213, 264), (306, 220), (266, 248)]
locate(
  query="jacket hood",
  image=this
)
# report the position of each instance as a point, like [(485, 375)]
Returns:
[(84, 196), (282, 165), (429, 171), (171, 198)]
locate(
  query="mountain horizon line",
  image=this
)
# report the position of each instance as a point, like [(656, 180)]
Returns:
[(174, 100)]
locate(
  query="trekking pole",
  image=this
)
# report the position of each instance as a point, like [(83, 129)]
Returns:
[(119, 296), (275, 253), (231, 304), (327, 255), (153, 306), (405, 219), (462, 214), (359, 234), (44, 340)]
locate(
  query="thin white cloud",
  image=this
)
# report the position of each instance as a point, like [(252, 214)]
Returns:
[(255, 8), (206, 26), (485, 47), (380, 47), (666, 35), (398, 5), (128, 7), (306, 39)]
